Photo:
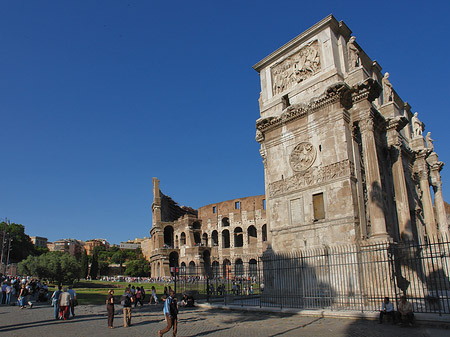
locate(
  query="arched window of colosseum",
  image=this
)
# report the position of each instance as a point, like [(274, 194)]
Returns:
[(226, 268), (192, 268), (225, 222), (205, 240), (215, 238), (176, 241), (238, 237), (158, 271), (183, 268), (225, 238), (173, 259), (264, 232), (253, 267), (168, 237), (216, 268), (239, 267), (182, 239), (197, 239), (252, 235), (197, 225)]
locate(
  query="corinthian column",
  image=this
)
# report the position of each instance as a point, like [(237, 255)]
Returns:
[(436, 182), (398, 176), (427, 204), (373, 178)]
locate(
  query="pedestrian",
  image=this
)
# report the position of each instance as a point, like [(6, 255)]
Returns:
[(153, 296), (110, 308), (55, 301), (126, 300), (405, 310), (73, 300), (387, 308), (170, 314), (64, 304), (9, 289)]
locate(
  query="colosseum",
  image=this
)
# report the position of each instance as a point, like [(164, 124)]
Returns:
[(220, 237)]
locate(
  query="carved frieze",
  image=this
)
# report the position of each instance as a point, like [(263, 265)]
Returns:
[(296, 68), (302, 156), (312, 176)]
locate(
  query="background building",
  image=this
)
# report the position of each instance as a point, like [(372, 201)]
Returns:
[(39, 241), (90, 244), (214, 238), (72, 246)]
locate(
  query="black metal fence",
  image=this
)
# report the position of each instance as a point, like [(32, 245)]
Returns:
[(348, 277)]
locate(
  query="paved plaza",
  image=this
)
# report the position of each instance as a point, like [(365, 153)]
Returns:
[(146, 321)]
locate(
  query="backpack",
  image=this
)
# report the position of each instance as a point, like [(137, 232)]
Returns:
[(173, 308), (125, 301)]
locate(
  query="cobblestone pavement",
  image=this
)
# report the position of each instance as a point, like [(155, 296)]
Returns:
[(146, 321)]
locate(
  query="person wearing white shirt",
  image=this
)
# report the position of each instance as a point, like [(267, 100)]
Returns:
[(387, 308)]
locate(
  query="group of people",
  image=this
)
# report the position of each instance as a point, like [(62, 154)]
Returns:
[(23, 290), (64, 301), (128, 300), (404, 314)]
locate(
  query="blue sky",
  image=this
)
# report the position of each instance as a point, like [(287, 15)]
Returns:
[(98, 97)]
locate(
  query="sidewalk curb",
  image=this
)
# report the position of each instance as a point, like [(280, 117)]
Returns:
[(421, 318)]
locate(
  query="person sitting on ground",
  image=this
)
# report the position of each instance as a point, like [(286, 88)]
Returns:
[(405, 311), (387, 308)]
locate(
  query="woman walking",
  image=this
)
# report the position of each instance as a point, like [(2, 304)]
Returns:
[(110, 308)]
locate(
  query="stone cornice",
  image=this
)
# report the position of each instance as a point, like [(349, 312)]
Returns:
[(329, 21), (339, 92), (369, 89)]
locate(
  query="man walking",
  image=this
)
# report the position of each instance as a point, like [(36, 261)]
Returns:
[(126, 300), (170, 314)]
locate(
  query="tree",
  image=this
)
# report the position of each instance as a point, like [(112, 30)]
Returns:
[(94, 266), (84, 264), (137, 268), (58, 267), (21, 245)]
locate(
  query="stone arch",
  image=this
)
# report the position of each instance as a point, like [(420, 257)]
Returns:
[(238, 237), (205, 239), (215, 238), (173, 259), (238, 267), (226, 271), (176, 241), (182, 239), (225, 238), (216, 268), (253, 267), (225, 222), (192, 268), (252, 235), (158, 269), (197, 238), (264, 232), (197, 225), (168, 236)]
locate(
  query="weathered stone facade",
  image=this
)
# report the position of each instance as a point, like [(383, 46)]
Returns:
[(344, 158), (216, 237)]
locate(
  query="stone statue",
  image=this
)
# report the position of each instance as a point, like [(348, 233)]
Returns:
[(388, 93), (417, 125), (429, 141), (353, 54)]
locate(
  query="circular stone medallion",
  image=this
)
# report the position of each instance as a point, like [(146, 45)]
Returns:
[(302, 156)]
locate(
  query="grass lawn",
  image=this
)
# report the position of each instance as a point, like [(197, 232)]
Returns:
[(95, 292)]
